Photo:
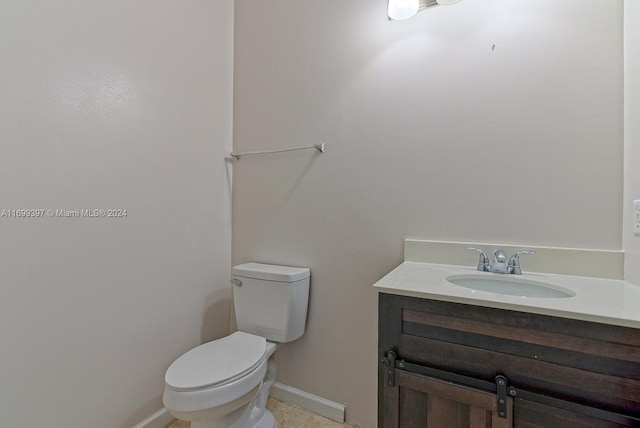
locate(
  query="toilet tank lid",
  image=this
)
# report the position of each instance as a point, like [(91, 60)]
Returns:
[(271, 272)]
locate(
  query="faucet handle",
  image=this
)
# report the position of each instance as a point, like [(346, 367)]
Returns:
[(483, 262), (514, 261)]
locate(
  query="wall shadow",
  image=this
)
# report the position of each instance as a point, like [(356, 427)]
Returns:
[(215, 320)]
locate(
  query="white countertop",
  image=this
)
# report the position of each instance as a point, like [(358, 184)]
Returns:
[(605, 301)]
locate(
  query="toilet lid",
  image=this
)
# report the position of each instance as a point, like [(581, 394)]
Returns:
[(217, 361)]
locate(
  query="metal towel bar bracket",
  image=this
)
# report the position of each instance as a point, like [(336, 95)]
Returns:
[(318, 147)]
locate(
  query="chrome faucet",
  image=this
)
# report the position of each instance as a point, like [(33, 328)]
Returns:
[(499, 264)]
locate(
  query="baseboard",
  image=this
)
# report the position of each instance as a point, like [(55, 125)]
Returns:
[(159, 419), (313, 403)]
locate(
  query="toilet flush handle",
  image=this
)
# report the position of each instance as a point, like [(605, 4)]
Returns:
[(236, 282)]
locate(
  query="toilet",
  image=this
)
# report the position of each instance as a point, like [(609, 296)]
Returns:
[(225, 383)]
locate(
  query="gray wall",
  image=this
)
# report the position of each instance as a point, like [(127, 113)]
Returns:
[(114, 104), (431, 134)]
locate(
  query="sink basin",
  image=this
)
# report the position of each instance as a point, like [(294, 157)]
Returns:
[(511, 286)]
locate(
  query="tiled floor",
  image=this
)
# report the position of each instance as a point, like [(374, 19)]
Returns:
[(288, 416)]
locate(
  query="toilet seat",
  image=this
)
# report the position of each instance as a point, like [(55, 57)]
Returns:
[(217, 363)]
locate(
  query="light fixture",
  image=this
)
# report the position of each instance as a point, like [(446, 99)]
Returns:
[(405, 9)]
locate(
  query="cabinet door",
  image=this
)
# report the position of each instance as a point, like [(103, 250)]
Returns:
[(421, 402)]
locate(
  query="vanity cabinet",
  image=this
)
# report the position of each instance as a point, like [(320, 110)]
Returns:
[(449, 365)]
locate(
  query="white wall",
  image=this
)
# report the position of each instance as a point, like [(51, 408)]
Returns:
[(430, 133), (114, 104), (631, 136)]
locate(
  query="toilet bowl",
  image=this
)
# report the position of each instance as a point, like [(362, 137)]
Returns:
[(225, 383)]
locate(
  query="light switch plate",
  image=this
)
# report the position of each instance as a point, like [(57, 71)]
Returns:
[(636, 217)]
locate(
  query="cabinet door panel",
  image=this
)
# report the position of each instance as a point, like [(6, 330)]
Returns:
[(414, 407), (420, 402)]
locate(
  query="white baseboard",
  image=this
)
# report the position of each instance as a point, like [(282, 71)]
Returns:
[(313, 403), (159, 419)]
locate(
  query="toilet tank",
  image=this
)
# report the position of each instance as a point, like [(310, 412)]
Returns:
[(271, 301)]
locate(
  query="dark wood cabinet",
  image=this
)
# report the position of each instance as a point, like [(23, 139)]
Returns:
[(559, 372)]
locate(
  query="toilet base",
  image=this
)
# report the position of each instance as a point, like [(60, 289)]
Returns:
[(267, 421), (239, 418)]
